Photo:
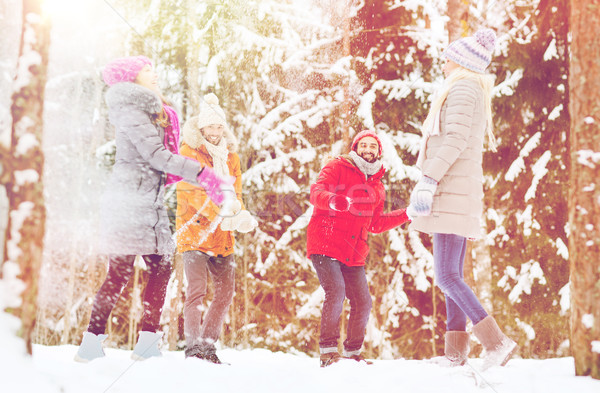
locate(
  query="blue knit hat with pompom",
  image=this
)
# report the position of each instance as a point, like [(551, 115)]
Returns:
[(473, 53)]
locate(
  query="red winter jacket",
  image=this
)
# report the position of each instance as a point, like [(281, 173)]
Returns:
[(343, 235)]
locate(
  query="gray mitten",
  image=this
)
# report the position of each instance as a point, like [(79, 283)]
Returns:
[(421, 198)]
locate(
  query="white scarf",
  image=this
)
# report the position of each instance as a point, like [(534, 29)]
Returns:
[(368, 168), (219, 154)]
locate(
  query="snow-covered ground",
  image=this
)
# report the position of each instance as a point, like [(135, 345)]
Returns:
[(52, 369)]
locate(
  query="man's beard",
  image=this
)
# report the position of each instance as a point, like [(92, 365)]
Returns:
[(368, 157), (212, 140)]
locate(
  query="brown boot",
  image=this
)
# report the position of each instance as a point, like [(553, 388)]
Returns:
[(327, 359), (456, 350), (498, 348)]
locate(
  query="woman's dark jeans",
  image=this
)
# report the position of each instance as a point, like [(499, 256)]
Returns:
[(120, 270)]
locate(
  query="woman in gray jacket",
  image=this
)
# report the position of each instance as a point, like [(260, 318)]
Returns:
[(448, 200), (133, 216)]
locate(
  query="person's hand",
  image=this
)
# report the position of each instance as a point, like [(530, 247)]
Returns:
[(213, 184), (234, 208), (246, 222), (340, 203), (421, 198), (242, 222)]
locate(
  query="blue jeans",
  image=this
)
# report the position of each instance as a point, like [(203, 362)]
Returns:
[(340, 281), (448, 259)]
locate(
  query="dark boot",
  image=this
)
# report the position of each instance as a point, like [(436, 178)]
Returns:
[(498, 348), (196, 352), (327, 359), (358, 358)]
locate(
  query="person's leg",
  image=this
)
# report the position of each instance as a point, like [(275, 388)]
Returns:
[(448, 257), (222, 273), (120, 269), (155, 291), (196, 272), (357, 291), (456, 318), (330, 276)]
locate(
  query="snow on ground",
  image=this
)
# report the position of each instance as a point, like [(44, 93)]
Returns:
[(52, 369)]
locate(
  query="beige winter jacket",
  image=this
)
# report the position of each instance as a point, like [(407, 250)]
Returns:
[(454, 159)]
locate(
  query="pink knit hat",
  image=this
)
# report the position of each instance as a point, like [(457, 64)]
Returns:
[(124, 69), (363, 134)]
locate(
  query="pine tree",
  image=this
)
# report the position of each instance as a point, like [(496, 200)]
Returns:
[(528, 180)]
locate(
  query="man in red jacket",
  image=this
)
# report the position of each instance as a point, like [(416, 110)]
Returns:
[(348, 200)]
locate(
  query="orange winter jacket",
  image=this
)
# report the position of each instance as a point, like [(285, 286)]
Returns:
[(190, 198)]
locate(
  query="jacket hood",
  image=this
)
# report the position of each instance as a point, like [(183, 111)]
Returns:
[(192, 136), (128, 93)]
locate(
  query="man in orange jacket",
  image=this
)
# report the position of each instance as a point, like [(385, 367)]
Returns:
[(348, 200), (206, 247)]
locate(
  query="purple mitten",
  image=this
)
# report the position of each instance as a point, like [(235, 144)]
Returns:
[(213, 184)]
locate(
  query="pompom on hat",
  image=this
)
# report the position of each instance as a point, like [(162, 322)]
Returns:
[(473, 53), (364, 134), (124, 69), (211, 112)]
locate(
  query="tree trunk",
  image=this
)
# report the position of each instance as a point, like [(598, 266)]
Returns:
[(22, 166), (346, 104), (458, 14), (192, 93), (175, 303), (584, 202)]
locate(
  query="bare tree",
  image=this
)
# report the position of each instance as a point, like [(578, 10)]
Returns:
[(458, 14), (584, 206), (22, 164)]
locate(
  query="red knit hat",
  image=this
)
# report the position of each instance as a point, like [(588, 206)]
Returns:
[(363, 134)]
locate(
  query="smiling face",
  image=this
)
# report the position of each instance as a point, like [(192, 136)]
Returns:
[(213, 133), (148, 78), (368, 149), (449, 66)]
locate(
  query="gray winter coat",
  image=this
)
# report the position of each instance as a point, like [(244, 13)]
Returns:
[(454, 159), (133, 215)]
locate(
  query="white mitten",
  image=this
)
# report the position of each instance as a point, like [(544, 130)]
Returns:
[(234, 207), (229, 215), (246, 222), (228, 224)]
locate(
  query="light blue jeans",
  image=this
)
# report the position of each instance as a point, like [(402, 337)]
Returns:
[(448, 260)]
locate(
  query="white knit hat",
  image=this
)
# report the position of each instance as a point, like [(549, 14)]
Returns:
[(211, 112), (473, 53)]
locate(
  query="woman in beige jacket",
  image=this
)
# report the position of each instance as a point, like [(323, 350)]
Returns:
[(447, 201)]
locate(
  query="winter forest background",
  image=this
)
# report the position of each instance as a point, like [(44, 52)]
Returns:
[(297, 80)]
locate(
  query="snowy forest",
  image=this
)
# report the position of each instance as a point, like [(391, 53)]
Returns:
[(297, 80)]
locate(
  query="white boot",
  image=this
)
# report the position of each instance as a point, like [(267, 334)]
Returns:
[(498, 348), (147, 346), (90, 348), (456, 350)]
